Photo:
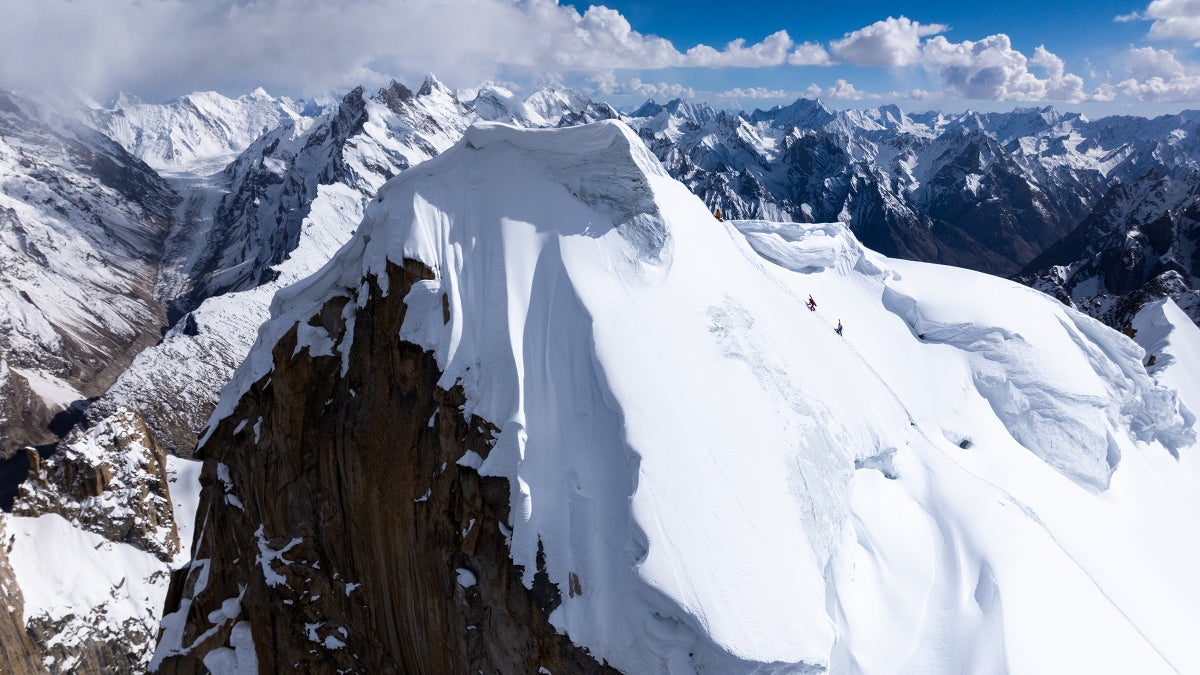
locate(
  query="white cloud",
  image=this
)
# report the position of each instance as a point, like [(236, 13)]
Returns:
[(1172, 19), (738, 93), (168, 47), (1174, 88), (1157, 75), (891, 42), (991, 69), (1147, 62), (809, 54), (772, 51), (608, 86), (842, 90)]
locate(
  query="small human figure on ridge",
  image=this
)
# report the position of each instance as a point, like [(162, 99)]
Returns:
[(812, 304), (838, 330), (718, 215)]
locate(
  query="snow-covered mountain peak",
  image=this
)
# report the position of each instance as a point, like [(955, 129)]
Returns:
[(673, 424), (196, 133), (803, 113)]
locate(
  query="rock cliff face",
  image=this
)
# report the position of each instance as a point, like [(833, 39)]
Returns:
[(111, 480), (103, 493), (342, 534), (1138, 245)]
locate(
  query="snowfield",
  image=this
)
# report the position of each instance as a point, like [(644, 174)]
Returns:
[(973, 478)]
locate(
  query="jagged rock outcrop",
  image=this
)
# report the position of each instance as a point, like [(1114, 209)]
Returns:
[(1137, 246), (343, 533), (111, 480), (104, 492)]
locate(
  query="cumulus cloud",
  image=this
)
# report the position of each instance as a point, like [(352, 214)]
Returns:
[(842, 90), (1172, 19), (166, 47), (809, 54), (1158, 75), (772, 51), (891, 42), (1179, 87), (991, 69), (1146, 62)]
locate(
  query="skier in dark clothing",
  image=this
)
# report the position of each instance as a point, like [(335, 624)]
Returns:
[(838, 330), (812, 304)]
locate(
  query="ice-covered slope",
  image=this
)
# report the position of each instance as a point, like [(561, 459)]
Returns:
[(197, 133), (701, 473)]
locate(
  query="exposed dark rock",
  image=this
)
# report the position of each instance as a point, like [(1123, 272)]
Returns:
[(351, 523), (111, 480)]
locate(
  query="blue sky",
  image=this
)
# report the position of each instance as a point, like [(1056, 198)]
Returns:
[(1098, 57)]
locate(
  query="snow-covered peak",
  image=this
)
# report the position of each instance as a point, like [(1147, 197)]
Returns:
[(198, 132), (726, 482), (804, 113), (431, 84)]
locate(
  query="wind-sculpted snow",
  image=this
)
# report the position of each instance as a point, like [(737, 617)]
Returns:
[(719, 481)]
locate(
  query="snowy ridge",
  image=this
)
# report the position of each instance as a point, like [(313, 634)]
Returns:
[(197, 133), (732, 486), (294, 197)]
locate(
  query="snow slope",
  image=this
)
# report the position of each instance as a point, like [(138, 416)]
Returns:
[(952, 486)]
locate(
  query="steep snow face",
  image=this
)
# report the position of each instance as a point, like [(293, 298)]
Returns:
[(724, 482), (197, 133)]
